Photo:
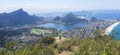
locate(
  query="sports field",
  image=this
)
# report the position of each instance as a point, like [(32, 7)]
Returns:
[(39, 31)]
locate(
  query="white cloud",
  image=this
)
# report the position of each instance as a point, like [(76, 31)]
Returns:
[(28, 5)]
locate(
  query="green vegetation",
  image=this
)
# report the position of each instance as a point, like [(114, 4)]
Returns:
[(106, 46), (65, 46), (39, 31), (12, 45), (47, 40), (98, 45)]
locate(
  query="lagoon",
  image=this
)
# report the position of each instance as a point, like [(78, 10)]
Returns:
[(62, 26)]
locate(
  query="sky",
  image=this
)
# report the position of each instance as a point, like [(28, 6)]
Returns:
[(47, 6)]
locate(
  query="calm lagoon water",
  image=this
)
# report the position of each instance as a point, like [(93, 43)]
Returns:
[(63, 27)]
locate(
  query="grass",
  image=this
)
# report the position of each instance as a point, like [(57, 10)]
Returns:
[(39, 31)]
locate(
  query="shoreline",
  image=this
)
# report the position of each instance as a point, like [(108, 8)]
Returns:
[(109, 29)]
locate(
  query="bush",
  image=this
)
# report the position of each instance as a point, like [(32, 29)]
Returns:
[(47, 40), (54, 45), (12, 45), (104, 46), (46, 51), (66, 45)]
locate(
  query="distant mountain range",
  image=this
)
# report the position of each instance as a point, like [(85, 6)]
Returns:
[(101, 14), (70, 18), (18, 17)]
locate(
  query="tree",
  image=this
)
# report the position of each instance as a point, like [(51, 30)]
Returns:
[(2, 41), (97, 34), (12, 45), (47, 40)]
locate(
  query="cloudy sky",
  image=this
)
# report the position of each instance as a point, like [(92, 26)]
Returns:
[(44, 6)]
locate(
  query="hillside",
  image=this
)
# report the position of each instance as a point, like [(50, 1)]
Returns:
[(70, 18), (18, 17), (72, 46)]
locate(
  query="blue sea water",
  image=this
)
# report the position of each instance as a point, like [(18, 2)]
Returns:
[(116, 32)]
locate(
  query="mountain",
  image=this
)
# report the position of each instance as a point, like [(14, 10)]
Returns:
[(18, 17), (93, 19), (57, 18), (101, 14), (70, 18)]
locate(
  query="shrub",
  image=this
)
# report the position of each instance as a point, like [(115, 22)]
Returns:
[(104, 46), (46, 51), (54, 45), (12, 45), (47, 40), (66, 45)]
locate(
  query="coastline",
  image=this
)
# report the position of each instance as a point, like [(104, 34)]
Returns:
[(109, 29)]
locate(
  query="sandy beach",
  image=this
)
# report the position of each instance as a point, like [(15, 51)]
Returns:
[(109, 29)]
